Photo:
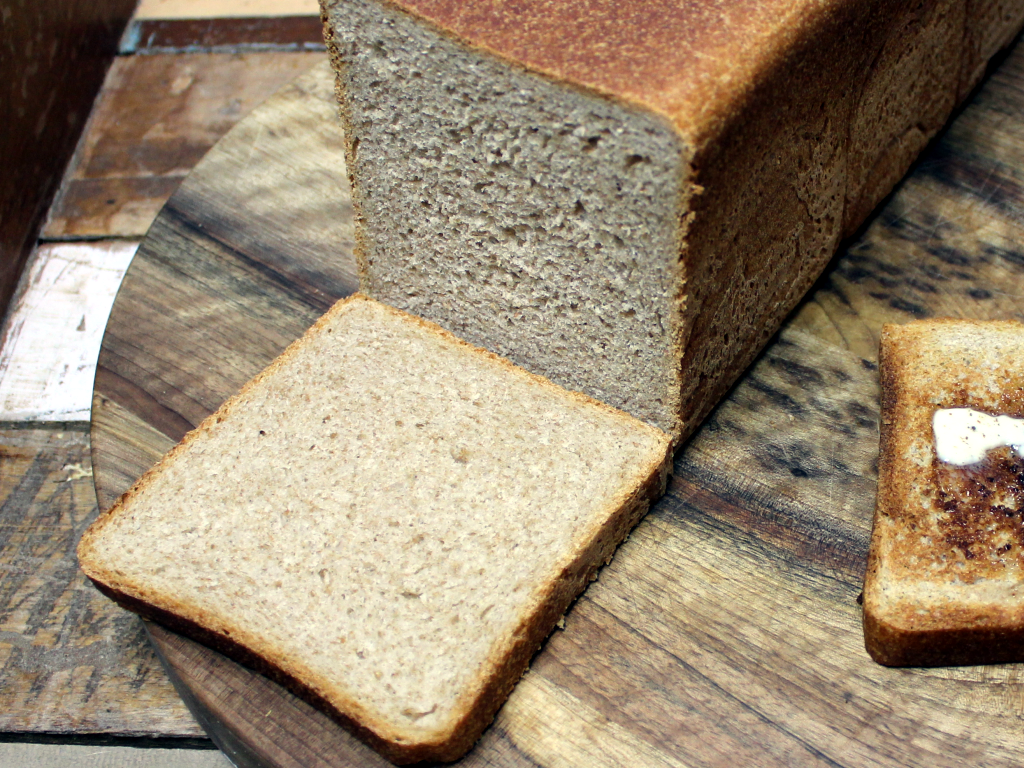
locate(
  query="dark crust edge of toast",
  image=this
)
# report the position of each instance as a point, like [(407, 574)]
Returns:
[(895, 647), (494, 690), (877, 639), (886, 643), (507, 665)]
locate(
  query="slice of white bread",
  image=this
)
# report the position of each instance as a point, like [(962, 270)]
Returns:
[(387, 519), (945, 577), (628, 196)]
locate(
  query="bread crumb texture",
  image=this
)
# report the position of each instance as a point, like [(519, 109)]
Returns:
[(945, 580), (537, 221), (629, 196), (378, 513)]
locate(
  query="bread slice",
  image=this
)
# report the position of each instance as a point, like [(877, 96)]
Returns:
[(388, 520), (628, 196), (945, 577)]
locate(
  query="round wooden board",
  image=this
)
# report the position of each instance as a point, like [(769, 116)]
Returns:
[(727, 629)]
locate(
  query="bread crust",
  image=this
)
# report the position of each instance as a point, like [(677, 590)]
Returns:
[(635, 51), (797, 117), (927, 603), (507, 661)]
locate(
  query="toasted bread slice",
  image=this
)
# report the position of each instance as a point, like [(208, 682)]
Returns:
[(387, 520), (945, 577)]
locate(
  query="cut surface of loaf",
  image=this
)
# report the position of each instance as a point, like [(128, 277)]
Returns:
[(945, 578), (628, 196), (387, 519)]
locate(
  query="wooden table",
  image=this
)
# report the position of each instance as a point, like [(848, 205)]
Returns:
[(727, 629)]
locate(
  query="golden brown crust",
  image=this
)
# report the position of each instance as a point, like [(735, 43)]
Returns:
[(637, 50), (511, 659), (223, 643), (938, 589), (693, 61), (508, 659), (898, 647), (797, 117), (795, 133)]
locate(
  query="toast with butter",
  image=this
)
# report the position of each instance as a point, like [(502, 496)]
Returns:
[(945, 577)]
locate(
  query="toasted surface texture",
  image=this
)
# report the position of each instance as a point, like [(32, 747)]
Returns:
[(629, 196), (945, 578), (387, 518)]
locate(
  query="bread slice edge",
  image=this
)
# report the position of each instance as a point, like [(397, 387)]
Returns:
[(506, 662)]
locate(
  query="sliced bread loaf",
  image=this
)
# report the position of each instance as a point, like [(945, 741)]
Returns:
[(945, 578), (387, 519), (628, 196)]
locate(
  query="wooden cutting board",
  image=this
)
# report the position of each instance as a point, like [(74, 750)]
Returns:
[(727, 630)]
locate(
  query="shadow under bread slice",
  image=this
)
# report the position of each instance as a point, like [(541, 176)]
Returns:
[(388, 520), (945, 578)]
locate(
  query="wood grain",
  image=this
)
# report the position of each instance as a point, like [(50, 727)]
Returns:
[(52, 334), (264, 33), (232, 295), (156, 117), (65, 755), (53, 57), (220, 9), (70, 661), (727, 628)]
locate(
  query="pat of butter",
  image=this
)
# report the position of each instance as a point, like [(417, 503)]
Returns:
[(964, 435)]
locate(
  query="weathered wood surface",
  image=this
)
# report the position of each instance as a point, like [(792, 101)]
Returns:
[(87, 670), (52, 335), (148, 10), (155, 118), (235, 293), (22, 755), (70, 662), (262, 33), (54, 57), (727, 629)]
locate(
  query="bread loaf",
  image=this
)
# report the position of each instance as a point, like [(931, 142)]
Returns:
[(945, 578), (628, 196), (387, 520)]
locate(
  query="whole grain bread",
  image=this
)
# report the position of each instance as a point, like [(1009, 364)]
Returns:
[(628, 196), (387, 520), (945, 577)]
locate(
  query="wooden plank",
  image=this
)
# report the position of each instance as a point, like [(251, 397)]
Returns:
[(114, 207), (160, 114), (126, 441), (727, 628), (154, 120), (52, 337), (207, 303), (218, 9), (53, 63), (77, 756), (221, 693), (70, 661), (277, 33)]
